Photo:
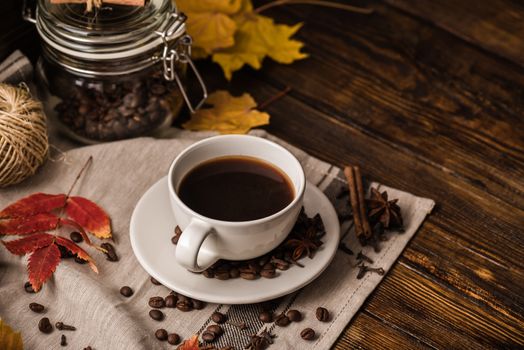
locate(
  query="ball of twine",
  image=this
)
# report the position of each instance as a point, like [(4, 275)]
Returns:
[(23, 135)]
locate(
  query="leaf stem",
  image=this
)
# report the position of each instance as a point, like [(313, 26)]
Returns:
[(87, 163), (324, 3), (274, 98)]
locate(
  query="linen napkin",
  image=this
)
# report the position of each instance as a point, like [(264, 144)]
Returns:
[(120, 174)]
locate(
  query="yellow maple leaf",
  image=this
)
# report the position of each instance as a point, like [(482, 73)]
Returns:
[(257, 37), (9, 339), (228, 114), (209, 23)]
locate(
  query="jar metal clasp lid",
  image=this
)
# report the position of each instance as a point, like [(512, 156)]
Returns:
[(180, 51)]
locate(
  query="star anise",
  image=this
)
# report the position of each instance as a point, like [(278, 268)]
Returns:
[(305, 244), (383, 210)]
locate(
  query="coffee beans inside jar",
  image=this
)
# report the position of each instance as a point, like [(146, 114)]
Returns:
[(112, 110)]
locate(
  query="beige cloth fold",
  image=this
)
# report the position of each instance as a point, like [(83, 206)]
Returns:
[(120, 174)]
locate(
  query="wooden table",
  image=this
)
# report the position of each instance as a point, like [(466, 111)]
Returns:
[(427, 97)]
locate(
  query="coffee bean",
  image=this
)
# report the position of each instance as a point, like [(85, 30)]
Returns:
[(80, 260), (307, 334), (214, 328), (266, 317), (63, 340), (208, 337), (294, 315), (76, 237), (248, 275), (173, 339), (155, 282), (234, 272), (126, 291), (222, 274), (88, 348), (29, 288), (35, 307), (111, 253), (208, 273), (175, 239), (282, 320), (45, 326), (184, 305), (170, 301), (65, 253), (156, 315), (178, 230), (268, 273), (157, 302), (322, 314), (218, 317), (161, 334), (197, 304)]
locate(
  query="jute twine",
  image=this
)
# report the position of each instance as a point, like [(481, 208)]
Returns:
[(23, 135)]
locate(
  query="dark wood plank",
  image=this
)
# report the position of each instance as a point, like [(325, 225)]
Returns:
[(368, 332), (403, 96), (497, 26), (408, 298)]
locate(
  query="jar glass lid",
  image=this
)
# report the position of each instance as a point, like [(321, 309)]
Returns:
[(108, 30)]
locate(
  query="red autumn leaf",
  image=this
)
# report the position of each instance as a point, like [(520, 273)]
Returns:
[(30, 224), (42, 264), (34, 204), (89, 215), (190, 344), (29, 244), (75, 249)]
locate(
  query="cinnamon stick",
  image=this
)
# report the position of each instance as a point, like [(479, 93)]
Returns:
[(362, 204), (353, 195)]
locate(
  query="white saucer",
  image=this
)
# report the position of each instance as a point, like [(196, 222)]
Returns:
[(152, 226)]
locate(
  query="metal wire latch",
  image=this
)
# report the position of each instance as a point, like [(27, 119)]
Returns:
[(179, 52)]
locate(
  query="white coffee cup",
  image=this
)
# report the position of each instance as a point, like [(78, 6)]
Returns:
[(204, 240)]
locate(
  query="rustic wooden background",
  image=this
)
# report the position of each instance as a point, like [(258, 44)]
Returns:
[(426, 96)]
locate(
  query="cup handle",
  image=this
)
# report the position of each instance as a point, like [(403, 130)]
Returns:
[(188, 252)]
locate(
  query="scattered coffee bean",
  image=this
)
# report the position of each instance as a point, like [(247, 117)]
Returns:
[(173, 339), (197, 304), (35, 307), (65, 253), (126, 291), (161, 334), (239, 325), (282, 320), (214, 328), (170, 301), (266, 317), (222, 274), (176, 237), (76, 237), (234, 273), (268, 271), (208, 336), (156, 315), (155, 282), (88, 348), (29, 288), (157, 302), (209, 273), (218, 317), (322, 314), (64, 327), (184, 304), (294, 315), (307, 334), (45, 326), (80, 260), (63, 340), (248, 275), (111, 253)]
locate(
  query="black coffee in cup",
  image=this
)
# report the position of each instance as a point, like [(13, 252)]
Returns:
[(236, 188)]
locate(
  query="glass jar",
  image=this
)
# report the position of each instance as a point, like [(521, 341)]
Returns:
[(117, 72)]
